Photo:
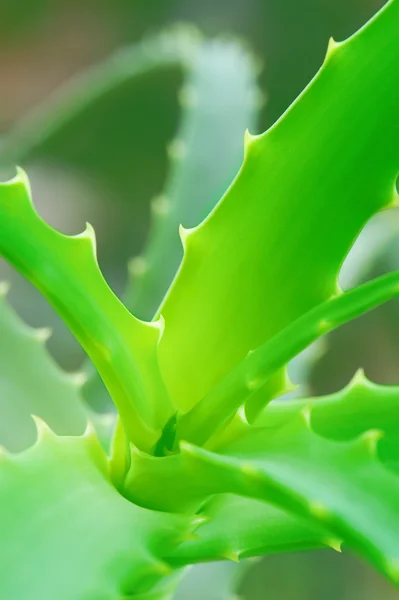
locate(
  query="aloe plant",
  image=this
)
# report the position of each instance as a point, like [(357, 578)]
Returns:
[(206, 462)]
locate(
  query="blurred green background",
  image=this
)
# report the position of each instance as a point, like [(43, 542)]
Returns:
[(106, 166)]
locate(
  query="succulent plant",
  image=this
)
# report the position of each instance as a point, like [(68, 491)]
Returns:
[(206, 461)]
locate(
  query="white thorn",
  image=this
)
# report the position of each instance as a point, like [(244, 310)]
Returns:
[(43, 334), (79, 378), (332, 47), (4, 288), (177, 149), (41, 426)]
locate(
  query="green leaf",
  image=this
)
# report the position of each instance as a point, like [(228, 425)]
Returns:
[(31, 383), (238, 527), (64, 268), (251, 375), (219, 99), (330, 483), (273, 247), (68, 534), (362, 405)]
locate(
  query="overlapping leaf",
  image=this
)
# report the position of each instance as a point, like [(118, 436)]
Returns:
[(65, 270), (273, 247), (70, 535)]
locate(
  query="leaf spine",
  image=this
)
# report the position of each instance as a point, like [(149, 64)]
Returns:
[(231, 555), (90, 235), (249, 140), (332, 48), (324, 326), (185, 234), (289, 386), (334, 543), (137, 266), (306, 414), (159, 325), (160, 205), (90, 431), (5, 287), (79, 378), (371, 438), (43, 430), (359, 381), (199, 520), (42, 334), (177, 149)]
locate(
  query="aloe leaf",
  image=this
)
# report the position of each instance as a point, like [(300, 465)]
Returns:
[(243, 527), (219, 99), (362, 405), (326, 166), (64, 268), (251, 375), (68, 534), (238, 527), (327, 482), (31, 383)]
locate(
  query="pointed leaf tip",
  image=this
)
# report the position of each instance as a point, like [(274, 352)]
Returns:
[(332, 47), (43, 430), (335, 544), (230, 555)]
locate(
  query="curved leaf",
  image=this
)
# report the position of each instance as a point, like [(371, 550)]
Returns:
[(64, 268), (251, 375), (320, 173), (238, 527), (68, 534), (31, 383), (219, 98)]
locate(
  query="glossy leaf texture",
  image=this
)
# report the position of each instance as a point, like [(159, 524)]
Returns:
[(70, 535), (241, 386), (64, 268), (237, 527), (346, 487), (219, 99), (319, 173)]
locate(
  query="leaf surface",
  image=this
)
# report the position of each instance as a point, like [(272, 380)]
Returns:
[(64, 268), (32, 383), (68, 534), (319, 173), (348, 486)]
